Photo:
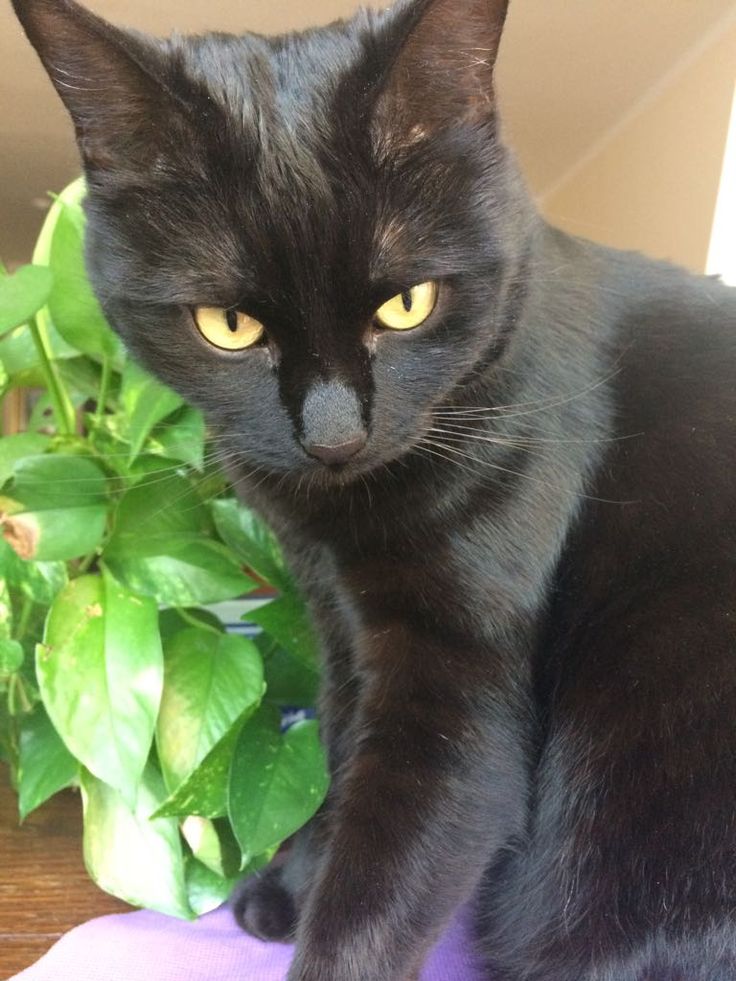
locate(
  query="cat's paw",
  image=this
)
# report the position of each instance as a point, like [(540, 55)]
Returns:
[(264, 907)]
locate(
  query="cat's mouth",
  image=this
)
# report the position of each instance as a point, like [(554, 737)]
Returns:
[(373, 456), (355, 459), (337, 455), (341, 472)]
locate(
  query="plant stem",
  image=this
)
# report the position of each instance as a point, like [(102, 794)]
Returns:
[(195, 622), (63, 408), (18, 701), (25, 615), (104, 386), (85, 563)]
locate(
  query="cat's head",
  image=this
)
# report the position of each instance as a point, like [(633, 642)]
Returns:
[(311, 236)]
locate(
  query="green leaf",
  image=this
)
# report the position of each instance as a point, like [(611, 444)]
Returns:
[(277, 781), (210, 680), (59, 480), (19, 356), (58, 507), (23, 294), (46, 765), (156, 509), (14, 448), (130, 855), (146, 402), (205, 791), (39, 581), (106, 435), (72, 197), (252, 541), (186, 571), (180, 437), (289, 680), (286, 620), (172, 620), (11, 656), (206, 889), (213, 843), (100, 669), (82, 376), (73, 307), (148, 466), (158, 547)]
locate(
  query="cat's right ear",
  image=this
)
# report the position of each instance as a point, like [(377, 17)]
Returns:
[(108, 79)]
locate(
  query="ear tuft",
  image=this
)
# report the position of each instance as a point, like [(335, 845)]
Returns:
[(106, 78)]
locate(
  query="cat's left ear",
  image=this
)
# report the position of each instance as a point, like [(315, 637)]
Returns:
[(443, 61)]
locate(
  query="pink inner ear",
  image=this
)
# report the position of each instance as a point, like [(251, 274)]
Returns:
[(444, 68)]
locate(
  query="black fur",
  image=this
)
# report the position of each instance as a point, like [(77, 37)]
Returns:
[(525, 580)]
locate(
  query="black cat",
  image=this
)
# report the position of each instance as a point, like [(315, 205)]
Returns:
[(500, 459)]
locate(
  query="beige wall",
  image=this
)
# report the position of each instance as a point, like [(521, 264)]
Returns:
[(652, 184)]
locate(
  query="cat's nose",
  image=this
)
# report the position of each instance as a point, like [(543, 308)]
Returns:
[(336, 453), (333, 429)]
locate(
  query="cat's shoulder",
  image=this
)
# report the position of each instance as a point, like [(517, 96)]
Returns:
[(650, 304), (665, 337)]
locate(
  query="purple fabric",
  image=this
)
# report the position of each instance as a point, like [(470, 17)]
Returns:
[(146, 946)]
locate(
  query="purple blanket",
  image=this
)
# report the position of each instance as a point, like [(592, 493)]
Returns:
[(146, 946)]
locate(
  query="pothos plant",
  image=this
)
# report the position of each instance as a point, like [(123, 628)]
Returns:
[(118, 530)]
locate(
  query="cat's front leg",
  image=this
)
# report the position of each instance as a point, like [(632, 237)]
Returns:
[(268, 904), (436, 783)]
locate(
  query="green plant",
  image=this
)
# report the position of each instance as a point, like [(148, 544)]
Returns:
[(117, 530)]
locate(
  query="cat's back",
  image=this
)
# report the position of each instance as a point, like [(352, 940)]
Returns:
[(635, 670)]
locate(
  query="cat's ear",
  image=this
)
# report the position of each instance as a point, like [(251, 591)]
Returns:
[(107, 78), (443, 61)]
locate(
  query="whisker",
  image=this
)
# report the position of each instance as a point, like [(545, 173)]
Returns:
[(423, 447), (510, 441), (536, 480), (525, 441), (540, 406), (487, 463)]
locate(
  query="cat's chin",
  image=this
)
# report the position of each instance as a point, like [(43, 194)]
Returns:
[(339, 476), (321, 477), (307, 476)]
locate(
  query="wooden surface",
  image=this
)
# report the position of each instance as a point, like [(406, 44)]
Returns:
[(44, 888)]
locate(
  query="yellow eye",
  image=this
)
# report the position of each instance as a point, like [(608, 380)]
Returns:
[(409, 308), (227, 329)]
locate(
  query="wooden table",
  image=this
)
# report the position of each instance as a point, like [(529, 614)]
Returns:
[(44, 888)]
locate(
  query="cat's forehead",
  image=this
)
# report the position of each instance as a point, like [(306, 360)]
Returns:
[(289, 193), (288, 81), (281, 110), (293, 147)]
